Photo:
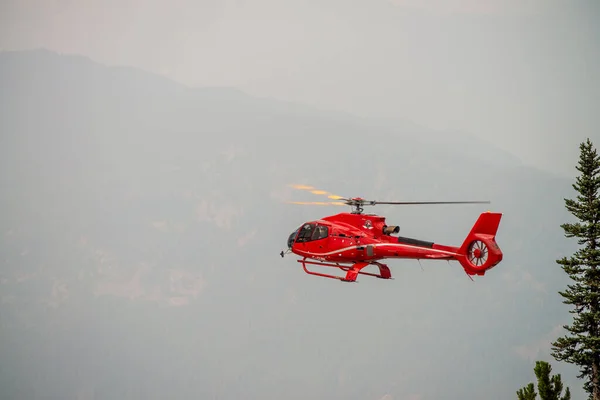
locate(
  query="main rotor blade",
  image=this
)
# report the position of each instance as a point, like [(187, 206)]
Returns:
[(363, 202), (314, 190), (318, 203), (428, 202)]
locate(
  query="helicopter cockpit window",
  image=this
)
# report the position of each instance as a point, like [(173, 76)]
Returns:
[(319, 233), (310, 232), (305, 233)]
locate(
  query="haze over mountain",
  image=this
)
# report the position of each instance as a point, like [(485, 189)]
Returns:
[(140, 226), (523, 75)]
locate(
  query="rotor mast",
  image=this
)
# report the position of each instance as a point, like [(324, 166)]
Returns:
[(356, 204)]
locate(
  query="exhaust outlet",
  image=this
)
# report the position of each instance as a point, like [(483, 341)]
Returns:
[(388, 230)]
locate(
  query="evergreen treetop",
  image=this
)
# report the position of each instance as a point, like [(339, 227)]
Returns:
[(581, 346), (549, 387)]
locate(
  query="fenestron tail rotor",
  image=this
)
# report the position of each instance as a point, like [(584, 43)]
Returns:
[(358, 203)]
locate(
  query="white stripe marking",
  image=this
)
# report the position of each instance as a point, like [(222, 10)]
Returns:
[(401, 245)]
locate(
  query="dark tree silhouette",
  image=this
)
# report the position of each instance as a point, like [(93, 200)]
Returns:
[(581, 345), (549, 387)]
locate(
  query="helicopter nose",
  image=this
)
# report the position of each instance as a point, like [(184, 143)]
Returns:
[(290, 241)]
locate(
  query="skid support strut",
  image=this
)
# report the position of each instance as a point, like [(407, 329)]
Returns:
[(352, 271)]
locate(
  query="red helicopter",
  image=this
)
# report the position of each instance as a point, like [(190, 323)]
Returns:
[(352, 241)]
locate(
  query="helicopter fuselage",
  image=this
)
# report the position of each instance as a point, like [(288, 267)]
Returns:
[(365, 239), (361, 240), (351, 237)]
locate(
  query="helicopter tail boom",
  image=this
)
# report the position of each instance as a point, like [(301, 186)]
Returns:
[(479, 252)]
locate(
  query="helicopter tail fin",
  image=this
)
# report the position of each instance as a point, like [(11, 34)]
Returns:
[(480, 252)]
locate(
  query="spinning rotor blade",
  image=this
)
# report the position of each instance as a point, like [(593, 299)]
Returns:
[(314, 190), (357, 203), (318, 203), (428, 202)]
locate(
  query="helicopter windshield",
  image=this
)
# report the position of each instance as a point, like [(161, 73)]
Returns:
[(291, 238), (311, 231)]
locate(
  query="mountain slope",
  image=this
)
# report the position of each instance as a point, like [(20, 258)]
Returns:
[(141, 222)]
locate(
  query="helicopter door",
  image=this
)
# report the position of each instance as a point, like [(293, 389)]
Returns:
[(320, 237)]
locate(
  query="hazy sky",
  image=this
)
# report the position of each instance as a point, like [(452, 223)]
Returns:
[(521, 74), (524, 75)]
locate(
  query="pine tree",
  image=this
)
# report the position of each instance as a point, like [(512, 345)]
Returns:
[(581, 345), (549, 388), (527, 393)]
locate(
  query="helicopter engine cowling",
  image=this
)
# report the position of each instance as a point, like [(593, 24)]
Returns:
[(388, 230)]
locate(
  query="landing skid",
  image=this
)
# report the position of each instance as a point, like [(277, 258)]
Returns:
[(351, 271)]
